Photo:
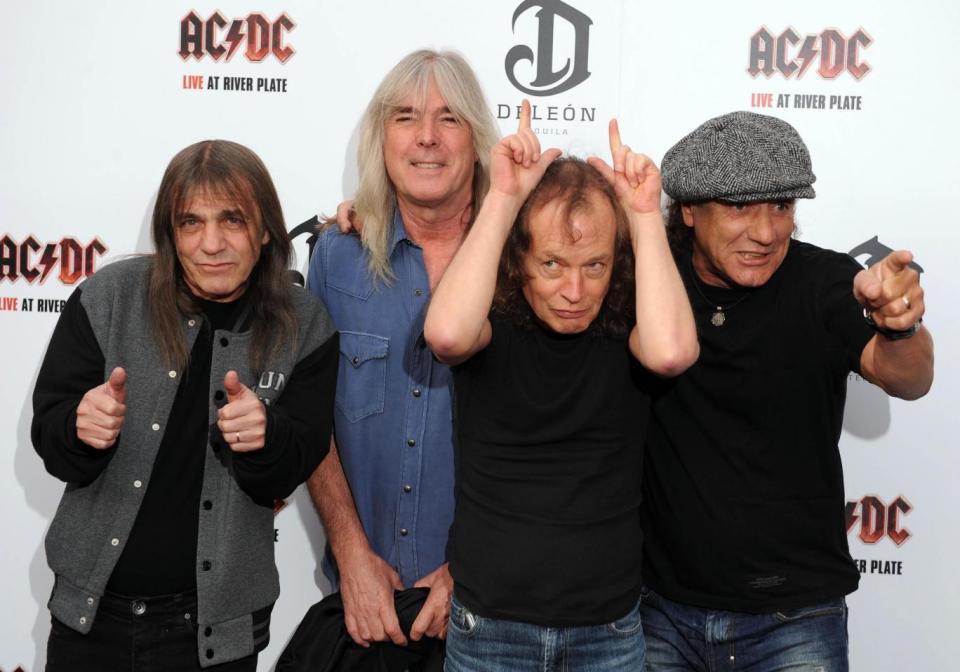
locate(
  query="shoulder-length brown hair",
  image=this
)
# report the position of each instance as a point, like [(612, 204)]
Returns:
[(571, 181), (231, 171)]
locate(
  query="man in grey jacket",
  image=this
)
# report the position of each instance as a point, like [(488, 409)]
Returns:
[(181, 394)]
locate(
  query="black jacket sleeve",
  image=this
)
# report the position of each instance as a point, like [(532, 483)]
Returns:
[(73, 365), (298, 429)]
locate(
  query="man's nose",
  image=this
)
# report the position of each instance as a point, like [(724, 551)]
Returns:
[(762, 228), (211, 240), (427, 133), (572, 289)]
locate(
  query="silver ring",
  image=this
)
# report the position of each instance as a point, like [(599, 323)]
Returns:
[(238, 437), (906, 300)]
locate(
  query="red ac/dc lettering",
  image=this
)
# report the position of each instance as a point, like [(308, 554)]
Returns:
[(213, 36), (35, 262), (771, 53), (878, 520)]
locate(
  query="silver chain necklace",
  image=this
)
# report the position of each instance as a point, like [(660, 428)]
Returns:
[(719, 317)]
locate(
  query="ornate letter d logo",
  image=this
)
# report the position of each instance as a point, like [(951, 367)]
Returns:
[(549, 81)]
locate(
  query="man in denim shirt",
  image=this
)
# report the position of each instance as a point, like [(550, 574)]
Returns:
[(385, 494)]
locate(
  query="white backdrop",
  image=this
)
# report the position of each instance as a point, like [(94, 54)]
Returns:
[(97, 100)]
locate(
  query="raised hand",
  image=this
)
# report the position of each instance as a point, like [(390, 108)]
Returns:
[(891, 291), (243, 420), (516, 163), (101, 411), (634, 176)]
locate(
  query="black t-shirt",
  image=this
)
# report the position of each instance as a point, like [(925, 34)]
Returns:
[(549, 433), (743, 485)]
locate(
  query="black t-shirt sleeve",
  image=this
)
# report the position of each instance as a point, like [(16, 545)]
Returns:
[(298, 429), (842, 315), (73, 365)]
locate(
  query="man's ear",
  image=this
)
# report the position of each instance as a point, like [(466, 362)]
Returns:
[(687, 211)]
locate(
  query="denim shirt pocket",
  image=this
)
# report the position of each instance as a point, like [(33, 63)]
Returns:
[(362, 375)]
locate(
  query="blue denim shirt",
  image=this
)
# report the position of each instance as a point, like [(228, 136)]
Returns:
[(393, 418)]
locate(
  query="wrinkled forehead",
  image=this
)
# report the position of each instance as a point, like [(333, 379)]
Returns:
[(589, 215), (586, 224)]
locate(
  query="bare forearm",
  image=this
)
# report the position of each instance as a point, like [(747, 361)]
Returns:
[(665, 337), (458, 312), (366, 581), (902, 368), (334, 503)]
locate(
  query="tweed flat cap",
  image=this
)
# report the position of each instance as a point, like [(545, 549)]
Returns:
[(739, 157)]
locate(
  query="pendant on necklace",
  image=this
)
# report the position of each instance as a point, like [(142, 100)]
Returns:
[(718, 318)]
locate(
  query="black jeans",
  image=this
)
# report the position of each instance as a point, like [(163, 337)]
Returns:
[(152, 634)]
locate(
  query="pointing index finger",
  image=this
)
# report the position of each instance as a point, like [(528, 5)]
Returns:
[(899, 260), (525, 115)]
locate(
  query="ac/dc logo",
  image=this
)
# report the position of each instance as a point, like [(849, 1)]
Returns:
[(32, 261), (771, 53), (212, 37), (878, 520)]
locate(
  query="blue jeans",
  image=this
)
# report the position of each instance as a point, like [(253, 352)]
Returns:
[(808, 639), (478, 644)]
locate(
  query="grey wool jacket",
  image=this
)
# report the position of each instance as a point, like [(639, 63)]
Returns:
[(236, 574)]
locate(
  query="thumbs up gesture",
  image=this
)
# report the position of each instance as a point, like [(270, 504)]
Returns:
[(890, 290), (101, 411), (243, 420)]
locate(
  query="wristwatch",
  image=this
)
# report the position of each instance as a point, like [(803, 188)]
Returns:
[(892, 334)]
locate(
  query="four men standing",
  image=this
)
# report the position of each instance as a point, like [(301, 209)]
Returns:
[(166, 520)]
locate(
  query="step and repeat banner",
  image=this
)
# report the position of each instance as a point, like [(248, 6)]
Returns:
[(99, 96)]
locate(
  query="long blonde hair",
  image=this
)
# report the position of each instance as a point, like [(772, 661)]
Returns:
[(376, 197)]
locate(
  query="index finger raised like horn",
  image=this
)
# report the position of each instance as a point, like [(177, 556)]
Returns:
[(615, 142), (525, 115)]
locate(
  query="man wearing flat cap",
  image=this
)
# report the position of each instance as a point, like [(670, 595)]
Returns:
[(746, 560)]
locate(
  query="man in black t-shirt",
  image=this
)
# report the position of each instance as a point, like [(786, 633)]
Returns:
[(552, 404), (746, 561)]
